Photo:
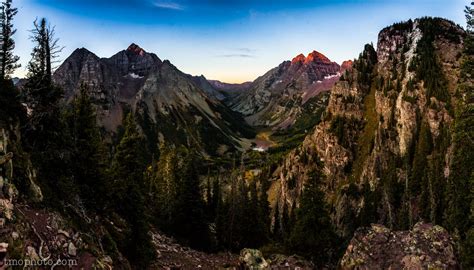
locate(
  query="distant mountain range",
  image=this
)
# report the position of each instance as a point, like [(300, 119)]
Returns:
[(205, 113), (171, 106), (276, 98)]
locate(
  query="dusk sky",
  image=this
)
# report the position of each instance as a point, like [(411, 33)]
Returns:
[(228, 40)]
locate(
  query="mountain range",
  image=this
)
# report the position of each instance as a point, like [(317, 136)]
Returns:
[(182, 108), (334, 162), (178, 107)]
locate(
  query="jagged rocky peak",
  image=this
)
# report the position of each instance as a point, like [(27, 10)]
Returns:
[(135, 61), (300, 58), (313, 57), (136, 49), (346, 65), (82, 53), (267, 101), (316, 56)]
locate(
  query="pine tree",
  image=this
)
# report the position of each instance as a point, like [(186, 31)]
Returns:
[(313, 235), (253, 220), (285, 222), (232, 221), (216, 197), (11, 109), (41, 95), (209, 196), (221, 221), (460, 187), (164, 187), (276, 230), (89, 153), (264, 210), (418, 186), (8, 61), (45, 133), (128, 189), (189, 222), (127, 165), (10, 106)]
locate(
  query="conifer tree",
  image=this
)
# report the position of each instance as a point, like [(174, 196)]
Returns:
[(41, 96), (128, 191), (45, 133), (89, 153), (164, 186), (189, 222), (253, 223), (285, 222), (460, 187), (313, 235), (418, 179), (8, 61), (10, 106), (216, 197), (11, 109), (209, 202), (276, 231)]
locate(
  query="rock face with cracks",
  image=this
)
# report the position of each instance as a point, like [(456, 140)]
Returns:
[(426, 246)]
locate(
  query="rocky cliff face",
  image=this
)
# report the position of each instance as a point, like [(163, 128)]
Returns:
[(424, 247), (370, 142), (275, 99), (111, 82), (170, 105)]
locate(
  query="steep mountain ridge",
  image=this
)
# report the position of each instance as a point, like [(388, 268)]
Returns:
[(134, 79), (372, 141), (275, 99)]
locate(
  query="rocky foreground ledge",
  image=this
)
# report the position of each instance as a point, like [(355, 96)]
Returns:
[(426, 246)]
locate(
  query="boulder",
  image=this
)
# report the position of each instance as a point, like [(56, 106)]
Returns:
[(253, 259), (32, 254), (72, 250), (426, 246), (6, 208), (15, 235)]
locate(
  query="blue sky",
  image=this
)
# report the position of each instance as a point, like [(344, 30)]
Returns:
[(228, 40)]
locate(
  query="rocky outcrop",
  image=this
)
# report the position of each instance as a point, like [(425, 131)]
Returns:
[(372, 123), (346, 65), (8, 192), (424, 247), (253, 259)]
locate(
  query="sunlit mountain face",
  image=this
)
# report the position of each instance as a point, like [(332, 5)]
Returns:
[(185, 134)]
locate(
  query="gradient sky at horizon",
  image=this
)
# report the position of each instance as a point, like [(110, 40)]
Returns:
[(233, 40)]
